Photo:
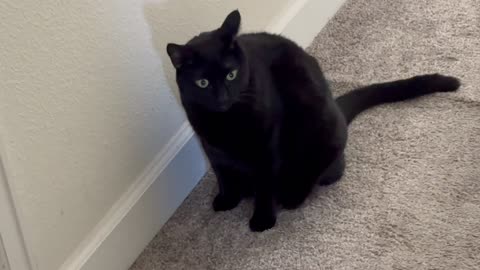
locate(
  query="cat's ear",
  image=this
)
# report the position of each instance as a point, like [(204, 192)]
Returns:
[(230, 26), (177, 54)]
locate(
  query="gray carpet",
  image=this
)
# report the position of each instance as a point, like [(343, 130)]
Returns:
[(410, 198)]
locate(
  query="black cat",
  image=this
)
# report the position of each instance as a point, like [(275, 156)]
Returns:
[(266, 118)]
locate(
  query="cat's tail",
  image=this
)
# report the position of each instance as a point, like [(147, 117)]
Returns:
[(361, 99)]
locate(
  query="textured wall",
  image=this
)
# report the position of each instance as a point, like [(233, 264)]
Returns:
[(85, 104)]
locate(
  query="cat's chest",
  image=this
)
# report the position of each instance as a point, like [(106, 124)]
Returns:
[(239, 133)]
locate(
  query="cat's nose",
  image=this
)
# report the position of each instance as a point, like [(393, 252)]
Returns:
[(223, 97), (224, 100)]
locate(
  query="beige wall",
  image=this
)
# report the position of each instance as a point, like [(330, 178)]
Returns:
[(85, 104)]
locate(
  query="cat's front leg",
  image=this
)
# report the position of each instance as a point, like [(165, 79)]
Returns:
[(229, 179), (229, 189), (264, 214)]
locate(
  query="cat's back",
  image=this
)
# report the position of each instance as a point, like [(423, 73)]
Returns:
[(281, 57), (269, 47), (289, 67)]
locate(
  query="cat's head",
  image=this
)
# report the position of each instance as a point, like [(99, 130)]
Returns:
[(211, 68)]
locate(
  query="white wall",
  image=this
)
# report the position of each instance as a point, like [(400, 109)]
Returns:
[(85, 106)]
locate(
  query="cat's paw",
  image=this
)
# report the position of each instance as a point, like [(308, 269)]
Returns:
[(224, 203), (261, 222)]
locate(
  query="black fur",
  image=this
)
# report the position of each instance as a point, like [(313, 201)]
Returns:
[(275, 130)]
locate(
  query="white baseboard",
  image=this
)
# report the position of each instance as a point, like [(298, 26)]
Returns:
[(139, 214)]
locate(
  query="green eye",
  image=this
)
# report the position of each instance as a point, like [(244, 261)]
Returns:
[(232, 75), (202, 83)]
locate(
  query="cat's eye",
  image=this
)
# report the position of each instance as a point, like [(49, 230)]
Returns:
[(202, 83), (232, 75)]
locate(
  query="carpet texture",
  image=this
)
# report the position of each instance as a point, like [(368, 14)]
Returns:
[(410, 197)]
